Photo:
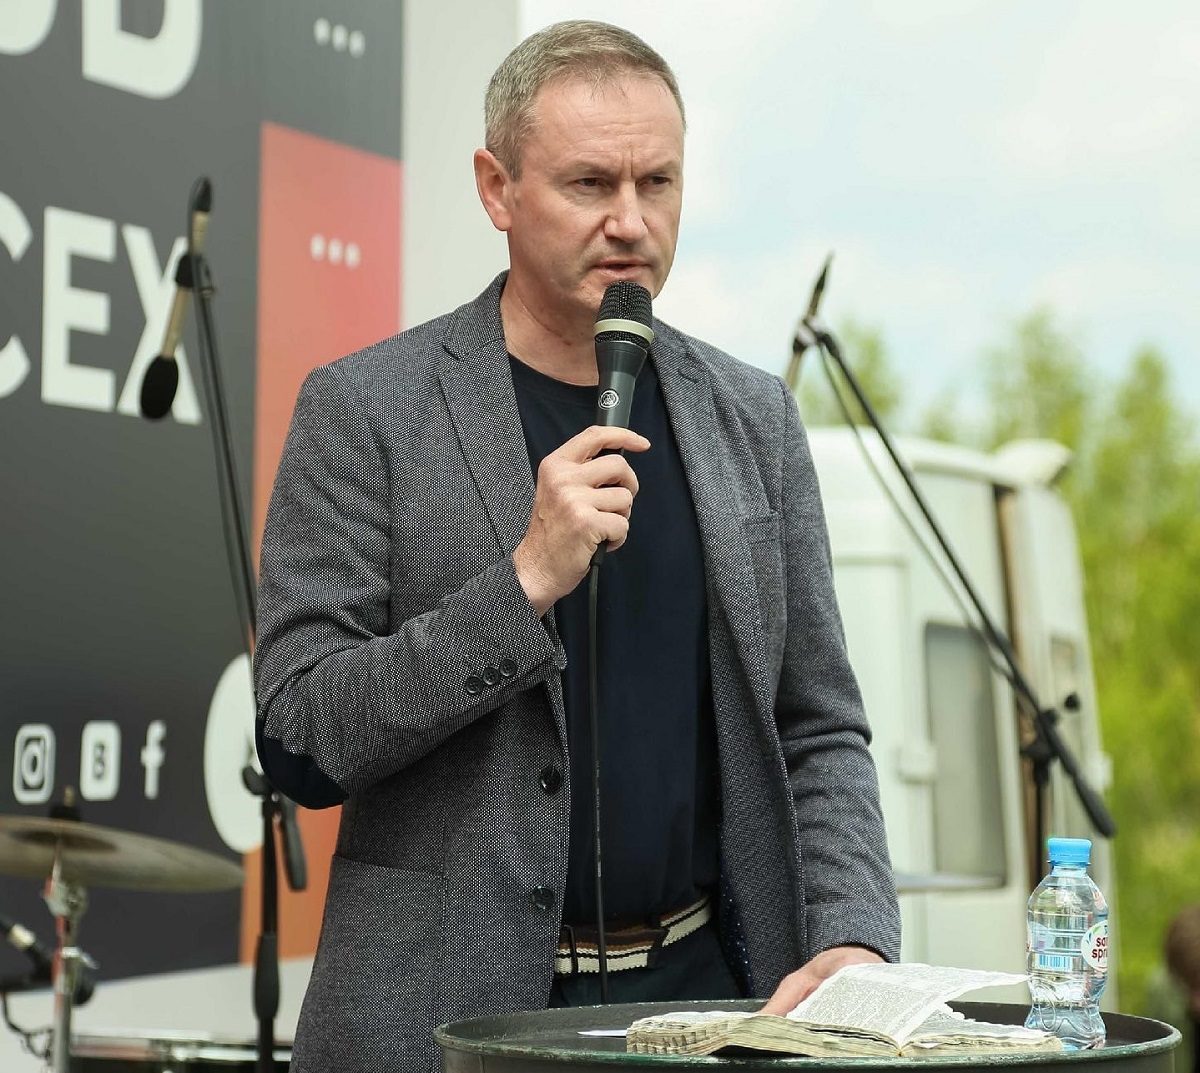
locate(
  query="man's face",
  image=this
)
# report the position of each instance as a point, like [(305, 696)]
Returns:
[(599, 193)]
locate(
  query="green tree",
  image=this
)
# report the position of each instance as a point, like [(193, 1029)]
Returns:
[(1133, 491), (1037, 385), (943, 420), (1139, 528)]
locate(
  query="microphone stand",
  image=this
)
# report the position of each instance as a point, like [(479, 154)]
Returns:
[(275, 807), (1048, 744)]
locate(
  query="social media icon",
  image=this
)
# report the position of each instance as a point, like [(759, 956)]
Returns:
[(153, 756), (100, 761), (33, 764)]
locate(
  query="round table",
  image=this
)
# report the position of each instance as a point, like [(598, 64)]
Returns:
[(550, 1040)]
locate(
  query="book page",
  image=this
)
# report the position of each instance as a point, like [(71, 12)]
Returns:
[(946, 1028), (891, 1000)]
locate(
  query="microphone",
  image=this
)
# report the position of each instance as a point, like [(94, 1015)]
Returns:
[(162, 374), (623, 337), (21, 938), (807, 330)]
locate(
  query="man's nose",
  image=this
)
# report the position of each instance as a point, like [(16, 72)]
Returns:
[(625, 222)]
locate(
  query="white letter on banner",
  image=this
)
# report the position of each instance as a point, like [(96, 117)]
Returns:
[(154, 67), (15, 236), (65, 308), (156, 290), (25, 24)]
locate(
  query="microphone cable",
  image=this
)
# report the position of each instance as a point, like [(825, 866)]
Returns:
[(594, 728)]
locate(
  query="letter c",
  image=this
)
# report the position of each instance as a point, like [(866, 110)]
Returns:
[(15, 236)]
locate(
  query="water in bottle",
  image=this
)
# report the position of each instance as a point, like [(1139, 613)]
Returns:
[(1067, 951)]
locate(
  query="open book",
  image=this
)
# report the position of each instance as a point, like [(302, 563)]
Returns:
[(868, 1010)]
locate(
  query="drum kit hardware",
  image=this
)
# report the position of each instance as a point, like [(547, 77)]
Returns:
[(72, 856)]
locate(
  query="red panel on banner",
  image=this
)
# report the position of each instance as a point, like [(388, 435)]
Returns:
[(329, 284)]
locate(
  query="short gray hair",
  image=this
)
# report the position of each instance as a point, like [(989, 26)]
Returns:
[(593, 51)]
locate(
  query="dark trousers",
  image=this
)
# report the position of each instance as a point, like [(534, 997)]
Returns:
[(692, 968)]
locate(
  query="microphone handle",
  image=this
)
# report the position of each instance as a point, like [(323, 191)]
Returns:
[(620, 361)]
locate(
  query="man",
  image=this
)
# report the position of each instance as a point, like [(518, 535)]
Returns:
[(422, 624)]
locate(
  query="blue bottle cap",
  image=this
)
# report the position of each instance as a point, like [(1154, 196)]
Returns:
[(1069, 850)]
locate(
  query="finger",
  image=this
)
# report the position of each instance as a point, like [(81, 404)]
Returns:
[(610, 470), (616, 500), (610, 529), (596, 438), (792, 990)]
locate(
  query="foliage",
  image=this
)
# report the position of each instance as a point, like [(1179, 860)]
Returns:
[(1136, 508)]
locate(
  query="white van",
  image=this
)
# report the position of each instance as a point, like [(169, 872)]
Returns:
[(957, 795)]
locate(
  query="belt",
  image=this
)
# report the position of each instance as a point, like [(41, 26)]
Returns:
[(634, 947)]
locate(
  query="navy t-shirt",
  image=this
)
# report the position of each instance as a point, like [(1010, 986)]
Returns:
[(659, 797)]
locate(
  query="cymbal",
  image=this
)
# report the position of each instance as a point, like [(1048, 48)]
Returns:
[(95, 856)]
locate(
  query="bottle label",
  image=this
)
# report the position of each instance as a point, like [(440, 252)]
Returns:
[(1094, 946)]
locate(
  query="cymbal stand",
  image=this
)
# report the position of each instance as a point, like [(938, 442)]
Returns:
[(67, 902)]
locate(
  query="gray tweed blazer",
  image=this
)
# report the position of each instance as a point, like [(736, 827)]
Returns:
[(387, 589)]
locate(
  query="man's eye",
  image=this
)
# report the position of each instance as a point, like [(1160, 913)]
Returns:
[(589, 181)]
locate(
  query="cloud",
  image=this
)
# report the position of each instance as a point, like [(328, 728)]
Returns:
[(1112, 96), (968, 161)]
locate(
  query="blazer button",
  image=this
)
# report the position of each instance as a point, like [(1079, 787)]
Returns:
[(490, 676), (507, 668), (550, 779), (474, 684), (542, 899)]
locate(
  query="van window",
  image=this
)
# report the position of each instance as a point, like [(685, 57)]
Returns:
[(968, 820)]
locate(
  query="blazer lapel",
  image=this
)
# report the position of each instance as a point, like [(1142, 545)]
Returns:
[(477, 383), (735, 620)]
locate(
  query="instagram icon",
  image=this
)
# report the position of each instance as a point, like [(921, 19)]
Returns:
[(33, 764)]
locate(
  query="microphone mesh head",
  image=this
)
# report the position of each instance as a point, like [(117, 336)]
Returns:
[(625, 300)]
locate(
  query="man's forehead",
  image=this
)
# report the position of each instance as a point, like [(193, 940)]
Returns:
[(575, 93)]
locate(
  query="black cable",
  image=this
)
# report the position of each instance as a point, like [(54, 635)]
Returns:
[(28, 1038), (594, 724)]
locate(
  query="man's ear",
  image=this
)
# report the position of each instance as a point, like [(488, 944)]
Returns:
[(494, 184)]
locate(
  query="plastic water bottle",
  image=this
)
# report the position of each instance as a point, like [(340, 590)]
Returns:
[(1067, 951)]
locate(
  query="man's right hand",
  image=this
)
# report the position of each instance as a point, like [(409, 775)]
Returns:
[(583, 498)]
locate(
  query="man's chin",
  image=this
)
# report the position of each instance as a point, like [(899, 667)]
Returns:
[(642, 274), (605, 275)]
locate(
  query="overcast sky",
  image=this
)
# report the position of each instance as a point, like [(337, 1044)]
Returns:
[(967, 160)]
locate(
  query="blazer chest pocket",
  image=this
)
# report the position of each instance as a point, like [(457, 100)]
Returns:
[(766, 553)]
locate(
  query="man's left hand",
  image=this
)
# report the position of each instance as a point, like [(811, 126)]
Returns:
[(797, 986)]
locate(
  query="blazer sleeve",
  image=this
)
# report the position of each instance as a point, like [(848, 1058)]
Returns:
[(344, 697), (849, 891)]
